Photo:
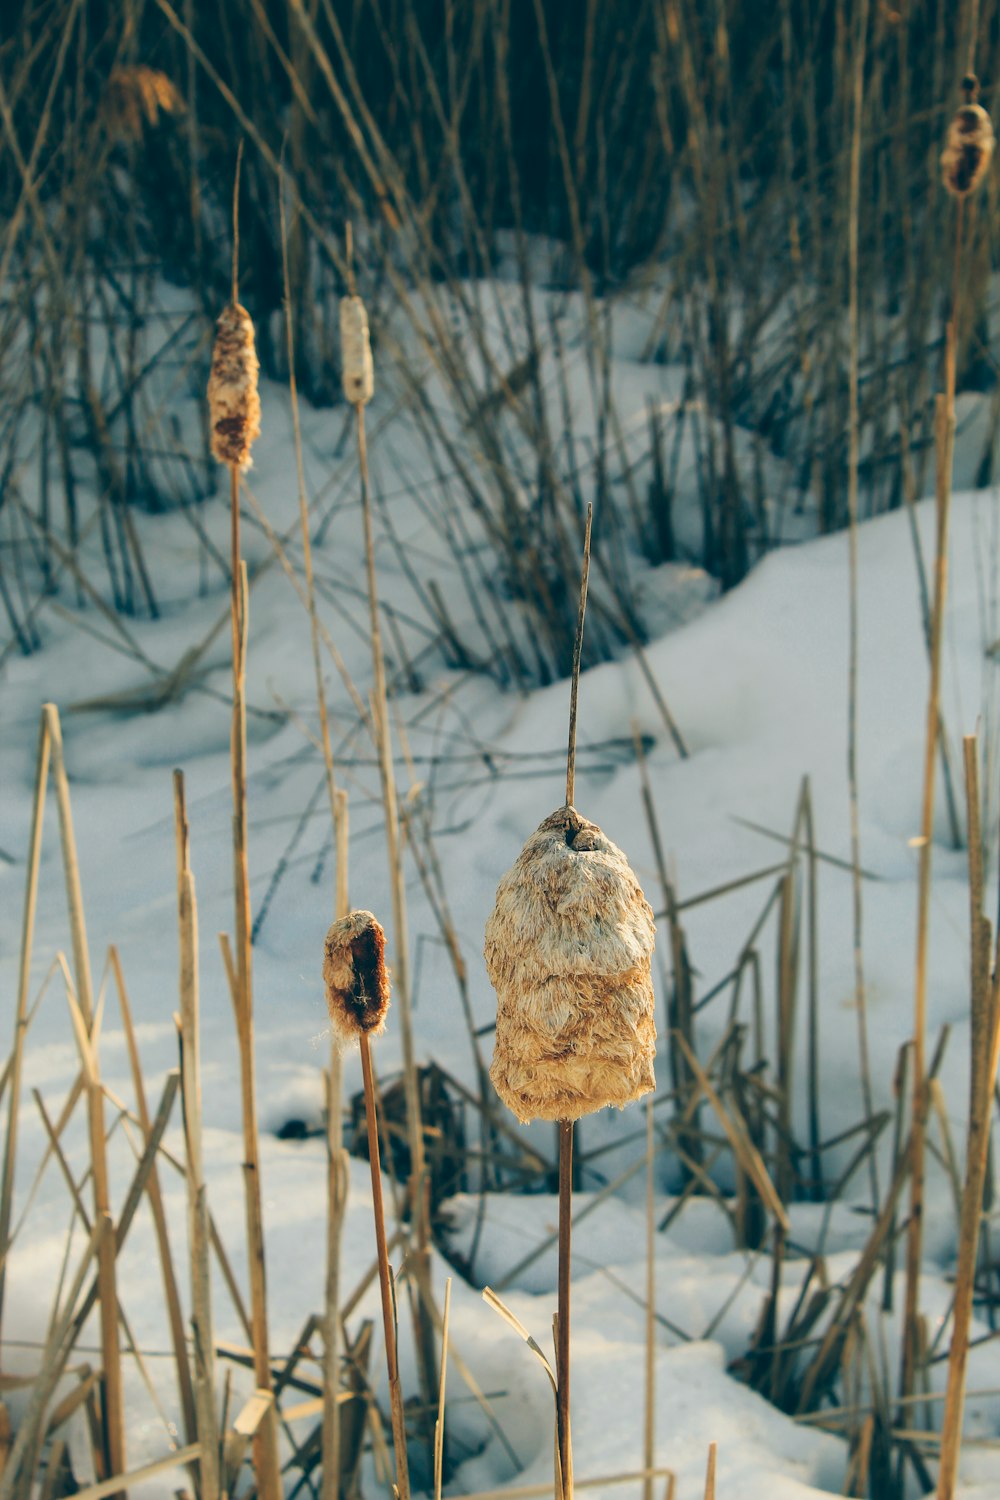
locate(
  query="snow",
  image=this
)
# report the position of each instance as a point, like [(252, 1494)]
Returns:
[(756, 681)]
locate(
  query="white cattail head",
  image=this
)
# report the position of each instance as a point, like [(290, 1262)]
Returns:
[(968, 150), (358, 373), (568, 950), (354, 972), (233, 398)]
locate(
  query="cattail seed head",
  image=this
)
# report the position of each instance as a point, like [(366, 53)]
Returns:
[(357, 984), (358, 372), (233, 398), (568, 950), (968, 150)]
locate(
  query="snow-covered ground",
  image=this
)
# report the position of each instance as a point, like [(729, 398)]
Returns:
[(756, 681)]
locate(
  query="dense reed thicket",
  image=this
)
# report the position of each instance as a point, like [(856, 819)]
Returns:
[(695, 154)]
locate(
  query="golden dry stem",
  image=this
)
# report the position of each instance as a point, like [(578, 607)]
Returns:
[(233, 398), (358, 372), (356, 979), (968, 150), (568, 950)]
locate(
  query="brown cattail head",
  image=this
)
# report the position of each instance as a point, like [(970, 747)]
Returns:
[(567, 949), (233, 399), (968, 150), (357, 984), (358, 372)]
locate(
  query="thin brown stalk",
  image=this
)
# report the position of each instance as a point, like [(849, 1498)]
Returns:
[(944, 442), (854, 190), (577, 654), (384, 1275), (175, 1316), (418, 1186), (710, 1473), (563, 1434), (442, 1379), (984, 1031), (649, 1427), (338, 1174), (197, 1203), (21, 1013), (112, 1393)]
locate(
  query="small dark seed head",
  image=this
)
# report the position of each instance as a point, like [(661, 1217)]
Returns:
[(357, 983)]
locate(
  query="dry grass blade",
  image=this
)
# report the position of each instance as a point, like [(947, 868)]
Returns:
[(744, 1150), (710, 1473), (197, 1202), (492, 1300)]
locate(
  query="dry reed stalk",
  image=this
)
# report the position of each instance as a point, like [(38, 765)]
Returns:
[(175, 1316), (710, 1473), (112, 1393), (358, 384), (197, 1201), (854, 189), (357, 998), (944, 445), (235, 419), (338, 1177), (984, 1035), (338, 1183), (439, 1424), (649, 1421), (21, 1013)]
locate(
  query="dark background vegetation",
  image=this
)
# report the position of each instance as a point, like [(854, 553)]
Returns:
[(695, 147)]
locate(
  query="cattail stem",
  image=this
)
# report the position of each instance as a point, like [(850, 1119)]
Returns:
[(562, 1323), (384, 1278), (420, 1259), (563, 1439), (984, 1034), (944, 439), (574, 691)]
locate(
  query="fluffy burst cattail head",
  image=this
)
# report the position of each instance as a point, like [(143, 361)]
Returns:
[(357, 984), (968, 148), (358, 372), (568, 948), (233, 398)]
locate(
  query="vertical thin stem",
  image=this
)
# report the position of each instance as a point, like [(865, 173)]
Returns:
[(982, 1036), (944, 441), (198, 1230), (385, 1283), (418, 1187), (649, 1436), (563, 1437), (23, 980), (574, 691), (113, 1398), (860, 993)]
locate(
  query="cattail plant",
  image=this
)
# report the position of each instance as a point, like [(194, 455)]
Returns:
[(233, 398), (357, 997), (358, 379), (961, 177), (234, 411), (968, 147), (568, 949)]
